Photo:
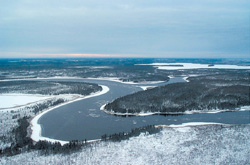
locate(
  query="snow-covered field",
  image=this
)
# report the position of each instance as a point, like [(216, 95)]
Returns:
[(182, 66), (189, 144), (13, 100)]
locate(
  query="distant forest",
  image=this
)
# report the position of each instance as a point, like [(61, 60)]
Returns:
[(217, 91), (48, 87), (124, 68)]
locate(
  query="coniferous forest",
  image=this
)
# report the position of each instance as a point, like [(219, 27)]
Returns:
[(211, 92)]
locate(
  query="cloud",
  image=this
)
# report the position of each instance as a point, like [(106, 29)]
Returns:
[(125, 27), (63, 55)]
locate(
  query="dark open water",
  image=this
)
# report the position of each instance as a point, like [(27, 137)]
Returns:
[(84, 120)]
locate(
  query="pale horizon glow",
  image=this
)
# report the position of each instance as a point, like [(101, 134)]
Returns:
[(64, 55), (10, 55)]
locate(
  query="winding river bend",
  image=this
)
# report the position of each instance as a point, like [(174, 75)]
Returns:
[(83, 119)]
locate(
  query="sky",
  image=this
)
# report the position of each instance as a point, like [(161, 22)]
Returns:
[(131, 28)]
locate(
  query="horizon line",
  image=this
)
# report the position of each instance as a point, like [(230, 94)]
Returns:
[(15, 55)]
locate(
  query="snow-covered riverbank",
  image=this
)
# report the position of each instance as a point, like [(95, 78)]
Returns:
[(36, 127), (115, 79), (243, 108)]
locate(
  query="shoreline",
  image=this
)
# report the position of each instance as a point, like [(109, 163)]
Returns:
[(36, 130), (243, 108), (115, 79), (188, 65), (189, 124)]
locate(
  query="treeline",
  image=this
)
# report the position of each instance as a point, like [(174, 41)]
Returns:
[(46, 147), (50, 103), (23, 143), (49, 87), (150, 129), (180, 97), (126, 69), (123, 68)]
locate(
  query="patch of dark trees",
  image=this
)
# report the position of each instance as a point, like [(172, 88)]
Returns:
[(23, 143), (129, 73), (50, 103), (49, 87), (126, 69), (150, 129), (123, 68), (224, 92)]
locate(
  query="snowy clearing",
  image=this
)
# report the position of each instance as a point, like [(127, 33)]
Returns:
[(13, 100), (182, 66), (203, 144)]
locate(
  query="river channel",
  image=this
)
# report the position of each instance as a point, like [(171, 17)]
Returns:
[(83, 119)]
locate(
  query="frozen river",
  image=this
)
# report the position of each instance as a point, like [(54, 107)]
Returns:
[(83, 119)]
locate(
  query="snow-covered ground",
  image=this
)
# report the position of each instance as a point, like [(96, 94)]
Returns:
[(36, 127), (10, 116), (14, 100), (182, 66), (24, 106), (146, 87), (189, 144), (186, 79)]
